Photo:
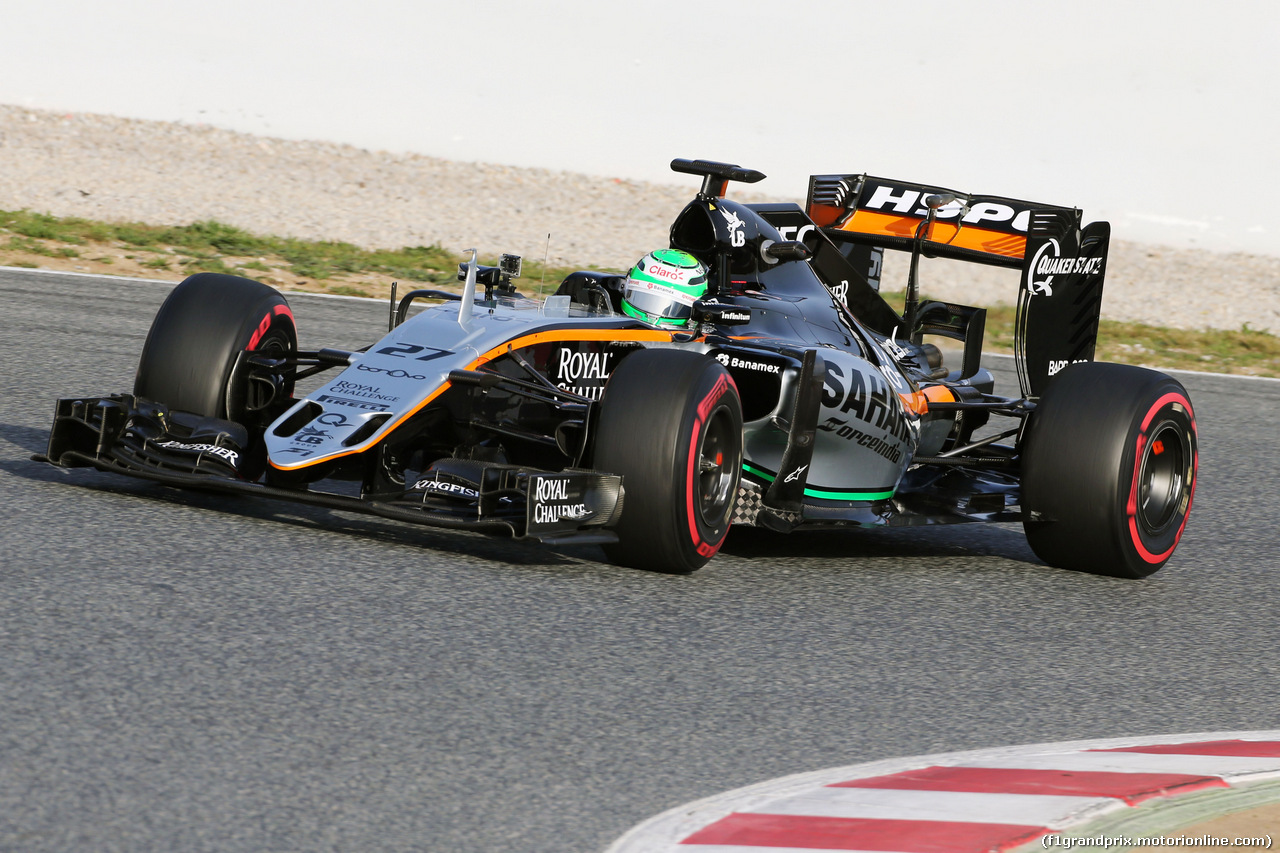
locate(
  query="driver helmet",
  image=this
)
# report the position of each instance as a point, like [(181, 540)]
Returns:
[(663, 285)]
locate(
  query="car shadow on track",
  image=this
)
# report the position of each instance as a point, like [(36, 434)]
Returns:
[(944, 541), (319, 519), (1005, 541), (30, 439)]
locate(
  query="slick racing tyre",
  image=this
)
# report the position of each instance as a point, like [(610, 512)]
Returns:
[(671, 425), (191, 351), (1109, 469)]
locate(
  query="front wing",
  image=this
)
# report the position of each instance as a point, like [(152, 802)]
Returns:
[(122, 434)]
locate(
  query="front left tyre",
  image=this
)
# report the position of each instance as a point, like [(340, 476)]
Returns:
[(189, 359), (671, 425)]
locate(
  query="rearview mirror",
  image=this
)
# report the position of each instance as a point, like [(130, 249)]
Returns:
[(786, 250)]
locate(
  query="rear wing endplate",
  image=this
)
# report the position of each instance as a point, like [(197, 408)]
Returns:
[(1059, 298)]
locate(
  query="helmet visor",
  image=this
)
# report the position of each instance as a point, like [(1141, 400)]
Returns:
[(658, 300)]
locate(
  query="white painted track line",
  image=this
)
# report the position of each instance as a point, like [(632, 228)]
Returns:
[(918, 805)]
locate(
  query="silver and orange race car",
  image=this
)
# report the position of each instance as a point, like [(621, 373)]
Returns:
[(795, 397)]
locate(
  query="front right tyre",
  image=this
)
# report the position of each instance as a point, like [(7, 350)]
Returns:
[(1109, 466)]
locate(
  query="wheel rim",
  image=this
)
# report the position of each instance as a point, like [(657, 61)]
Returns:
[(717, 465), (259, 392), (1162, 482)]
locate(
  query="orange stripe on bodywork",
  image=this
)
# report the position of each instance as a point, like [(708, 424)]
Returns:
[(969, 237), (919, 401), (570, 335), (915, 402), (517, 343), (939, 394)]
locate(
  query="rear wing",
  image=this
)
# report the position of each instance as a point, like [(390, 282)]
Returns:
[(983, 228), (1063, 262)]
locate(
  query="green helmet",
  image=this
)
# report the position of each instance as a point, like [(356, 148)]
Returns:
[(662, 287)]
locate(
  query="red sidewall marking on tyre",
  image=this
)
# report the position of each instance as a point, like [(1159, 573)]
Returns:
[(1131, 507), (265, 325), (1171, 397), (259, 332), (723, 383), (704, 549)]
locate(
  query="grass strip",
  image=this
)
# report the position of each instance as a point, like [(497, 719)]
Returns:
[(26, 237)]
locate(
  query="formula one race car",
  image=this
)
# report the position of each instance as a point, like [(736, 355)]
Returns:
[(751, 374)]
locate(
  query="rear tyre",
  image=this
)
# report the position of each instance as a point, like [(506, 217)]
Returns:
[(671, 425), (1109, 470), (191, 351)]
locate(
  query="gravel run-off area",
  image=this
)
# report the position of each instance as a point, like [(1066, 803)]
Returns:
[(117, 169)]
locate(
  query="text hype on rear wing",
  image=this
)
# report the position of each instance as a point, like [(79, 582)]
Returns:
[(1063, 262)]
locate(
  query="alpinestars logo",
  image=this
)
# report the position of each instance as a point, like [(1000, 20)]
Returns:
[(795, 475), (1049, 262)]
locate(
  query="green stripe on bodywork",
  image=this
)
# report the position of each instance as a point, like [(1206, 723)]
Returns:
[(825, 494)]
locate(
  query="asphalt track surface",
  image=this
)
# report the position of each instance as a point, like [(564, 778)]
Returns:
[(181, 671)]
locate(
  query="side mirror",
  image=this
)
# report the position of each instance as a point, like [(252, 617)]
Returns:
[(785, 250), (720, 313)]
